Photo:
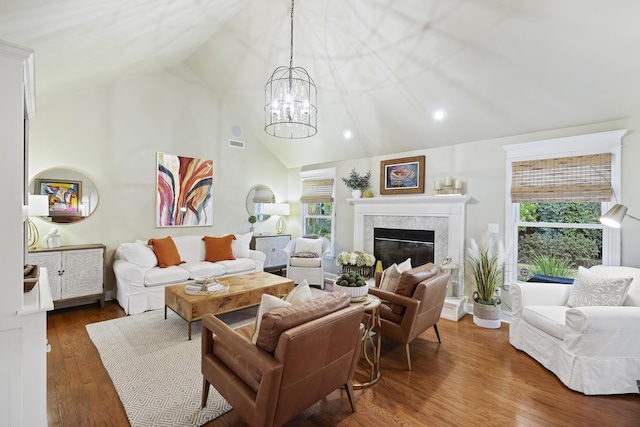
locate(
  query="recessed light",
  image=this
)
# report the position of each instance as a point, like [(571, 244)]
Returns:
[(347, 134), (439, 114)]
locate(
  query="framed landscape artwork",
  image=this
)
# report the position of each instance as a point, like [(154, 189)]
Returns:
[(64, 196), (402, 176), (184, 191)]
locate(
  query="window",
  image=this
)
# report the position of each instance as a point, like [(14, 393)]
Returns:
[(317, 203), (556, 192)]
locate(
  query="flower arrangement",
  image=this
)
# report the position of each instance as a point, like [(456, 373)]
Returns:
[(355, 181), (357, 262)]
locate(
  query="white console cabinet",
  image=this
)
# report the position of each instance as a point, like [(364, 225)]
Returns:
[(76, 273), (272, 245)]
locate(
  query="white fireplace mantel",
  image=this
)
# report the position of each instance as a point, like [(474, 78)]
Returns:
[(446, 213)]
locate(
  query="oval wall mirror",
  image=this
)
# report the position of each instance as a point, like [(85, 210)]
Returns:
[(257, 197), (72, 195)]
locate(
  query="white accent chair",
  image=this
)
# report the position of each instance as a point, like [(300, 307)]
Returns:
[(300, 268), (591, 349)]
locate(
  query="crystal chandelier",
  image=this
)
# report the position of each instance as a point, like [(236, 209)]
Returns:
[(290, 101)]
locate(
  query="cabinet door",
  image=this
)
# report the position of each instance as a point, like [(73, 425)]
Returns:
[(82, 273), (263, 245), (52, 261), (278, 243)]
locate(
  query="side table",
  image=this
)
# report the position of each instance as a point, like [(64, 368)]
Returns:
[(371, 340)]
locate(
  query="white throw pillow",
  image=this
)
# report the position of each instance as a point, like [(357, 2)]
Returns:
[(300, 294), (267, 303), (240, 246), (390, 278), (405, 265), (139, 253), (591, 289), (309, 245)]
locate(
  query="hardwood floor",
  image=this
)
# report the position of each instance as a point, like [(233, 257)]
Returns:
[(474, 378)]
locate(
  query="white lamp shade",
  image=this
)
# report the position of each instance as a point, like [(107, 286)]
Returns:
[(38, 205), (615, 215), (281, 209)]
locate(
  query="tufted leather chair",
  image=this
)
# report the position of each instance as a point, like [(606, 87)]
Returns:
[(421, 310), (310, 360)]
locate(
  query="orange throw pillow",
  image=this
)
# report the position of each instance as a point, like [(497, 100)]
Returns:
[(166, 251), (218, 248)]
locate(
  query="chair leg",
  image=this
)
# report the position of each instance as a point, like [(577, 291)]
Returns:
[(437, 333), (407, 354), (205, 391), (349, 388)]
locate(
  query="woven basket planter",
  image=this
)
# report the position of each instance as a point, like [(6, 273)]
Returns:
[(486, 316)]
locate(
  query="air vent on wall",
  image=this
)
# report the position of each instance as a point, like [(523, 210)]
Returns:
[(236, 144)]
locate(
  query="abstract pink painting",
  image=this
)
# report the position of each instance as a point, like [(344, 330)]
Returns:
[(185, 191)]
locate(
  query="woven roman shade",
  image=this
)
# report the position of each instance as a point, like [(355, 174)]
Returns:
[(317, 191), (262, 195), (563, 179)]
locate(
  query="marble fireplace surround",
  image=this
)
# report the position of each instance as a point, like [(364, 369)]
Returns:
[(443, 214)]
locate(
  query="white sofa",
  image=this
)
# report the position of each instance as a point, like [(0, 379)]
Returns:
[(592, 349), (140, 282)]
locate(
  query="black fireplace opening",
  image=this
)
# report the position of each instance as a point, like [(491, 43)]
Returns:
[(393, 245)]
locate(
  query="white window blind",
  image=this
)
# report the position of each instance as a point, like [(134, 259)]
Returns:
[(563, 179), (317, 191)]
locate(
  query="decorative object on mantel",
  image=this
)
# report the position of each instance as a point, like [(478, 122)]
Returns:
[(291, 99), (448, 186), (402, 176), (357, 183), (52, 239), (487, 275), (357, 262), (353, 284)]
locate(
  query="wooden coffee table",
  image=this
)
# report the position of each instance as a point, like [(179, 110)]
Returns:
[(245, 290)]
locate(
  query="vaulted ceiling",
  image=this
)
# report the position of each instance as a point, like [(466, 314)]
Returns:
[(499, 67)]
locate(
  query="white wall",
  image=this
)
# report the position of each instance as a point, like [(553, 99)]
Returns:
[(113, 134), (481, 165)]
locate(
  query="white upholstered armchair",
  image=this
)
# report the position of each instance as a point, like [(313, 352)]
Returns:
[(592, 347), (305, 259)]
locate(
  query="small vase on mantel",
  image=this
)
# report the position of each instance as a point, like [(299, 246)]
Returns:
[(356, 194)]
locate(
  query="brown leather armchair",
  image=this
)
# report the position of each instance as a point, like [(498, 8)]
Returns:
[(309, 361), (418, 312)]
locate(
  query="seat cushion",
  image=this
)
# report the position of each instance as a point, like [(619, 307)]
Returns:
[(279, 320), (304, 262), (547, 318), (237, 265), (164, 276), (203, 269), (166, 251)]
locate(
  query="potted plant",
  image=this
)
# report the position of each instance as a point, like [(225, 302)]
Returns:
[(252, 220), (357, 183), (353, 284), (357, 262), (486, 273)]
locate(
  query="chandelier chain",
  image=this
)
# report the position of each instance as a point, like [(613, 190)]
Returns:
[(291, 57)]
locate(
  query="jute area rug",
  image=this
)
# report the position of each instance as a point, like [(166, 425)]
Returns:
[(156, 370)]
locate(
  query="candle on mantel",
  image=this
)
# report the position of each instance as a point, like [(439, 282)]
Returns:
[(447, 181), (458, 185), (437, 185)]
